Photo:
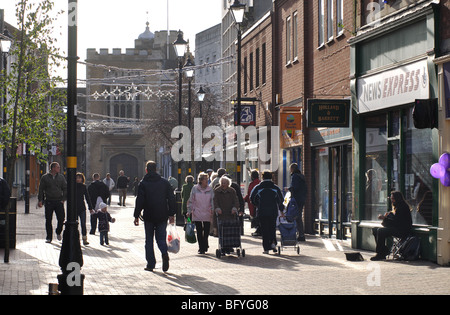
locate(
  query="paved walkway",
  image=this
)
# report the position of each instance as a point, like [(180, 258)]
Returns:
[(118, 269)]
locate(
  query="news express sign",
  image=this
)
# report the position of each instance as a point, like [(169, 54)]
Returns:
[(395, 87)]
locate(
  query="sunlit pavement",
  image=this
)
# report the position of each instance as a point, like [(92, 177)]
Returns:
[(118, 269)]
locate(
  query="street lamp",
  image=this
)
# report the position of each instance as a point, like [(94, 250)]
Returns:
[(180, 48), (6, 41), (189, 74), (71, 258), (201, 97), (238, 10)]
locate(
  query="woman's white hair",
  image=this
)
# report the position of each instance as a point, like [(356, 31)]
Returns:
[(223, 178)]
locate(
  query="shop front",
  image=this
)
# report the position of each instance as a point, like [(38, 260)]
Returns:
[(331, 146), (392, 65), (443, 248)]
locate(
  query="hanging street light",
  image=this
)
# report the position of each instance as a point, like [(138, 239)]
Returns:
[(238, 11)]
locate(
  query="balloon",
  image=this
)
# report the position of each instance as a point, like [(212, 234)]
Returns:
[(437, 171), (445, 180), (445, 160)]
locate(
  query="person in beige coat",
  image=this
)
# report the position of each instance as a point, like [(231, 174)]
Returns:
[(226, 203)]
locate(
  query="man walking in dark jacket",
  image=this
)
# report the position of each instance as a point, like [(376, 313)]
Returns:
[(95, 190), (155, 196), (268, 198), (53, 194)]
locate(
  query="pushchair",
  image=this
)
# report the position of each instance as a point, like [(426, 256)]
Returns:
[(229, 232), (288, 232)]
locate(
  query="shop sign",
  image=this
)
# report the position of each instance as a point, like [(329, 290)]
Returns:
[(447, 89), (395, 87), (248, 115), (290, 127), (328, 113)]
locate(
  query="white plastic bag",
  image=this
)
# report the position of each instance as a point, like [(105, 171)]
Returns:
[(173, 239)]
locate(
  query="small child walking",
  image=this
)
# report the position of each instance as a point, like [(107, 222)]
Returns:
[(103, 222)]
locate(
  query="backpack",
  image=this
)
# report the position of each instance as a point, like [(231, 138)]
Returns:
[(410, 249)]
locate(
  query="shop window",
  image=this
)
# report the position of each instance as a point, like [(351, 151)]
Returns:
[(376, 167), (322, 184), (418, 181)]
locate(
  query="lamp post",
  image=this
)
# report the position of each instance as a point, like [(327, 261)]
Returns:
[(238, 10), (180, 48), (189, 74), (6, 46), (201, 97), (70, 282)]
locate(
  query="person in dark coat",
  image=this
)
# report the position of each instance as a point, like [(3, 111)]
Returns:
[(397, 223), (99, 192), (268, 198), (298, 190), (82, 194), (157, 199), (52, 195)]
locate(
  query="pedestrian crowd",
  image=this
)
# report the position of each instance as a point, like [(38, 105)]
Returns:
[(206, 201)]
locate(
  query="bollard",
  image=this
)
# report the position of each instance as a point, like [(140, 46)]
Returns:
[(53, 289)]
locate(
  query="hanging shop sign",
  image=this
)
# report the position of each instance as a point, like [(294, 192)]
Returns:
[(248, 115), (290, 127), (395, 87), (328, 113)]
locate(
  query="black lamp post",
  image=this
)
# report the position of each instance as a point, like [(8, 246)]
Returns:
[(70, 282), (238, 10), (180, 48), (189, 74), (6, 45)]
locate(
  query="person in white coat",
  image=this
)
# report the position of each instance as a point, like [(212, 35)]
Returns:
[(111, 184)]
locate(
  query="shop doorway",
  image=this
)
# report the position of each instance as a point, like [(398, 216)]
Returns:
[(333, 191)]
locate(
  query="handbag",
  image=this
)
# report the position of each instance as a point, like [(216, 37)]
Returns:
[(190, 232)]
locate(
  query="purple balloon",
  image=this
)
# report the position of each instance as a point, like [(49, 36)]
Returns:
[(445, 160), (445, 180), (437, 171)]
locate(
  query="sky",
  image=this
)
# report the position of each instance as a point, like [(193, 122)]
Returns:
[(117, 23)]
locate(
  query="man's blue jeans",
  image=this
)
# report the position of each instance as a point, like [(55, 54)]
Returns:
[(159, 232)]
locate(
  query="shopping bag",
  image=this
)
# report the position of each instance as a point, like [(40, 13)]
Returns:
[(190, 232), (173, 239)]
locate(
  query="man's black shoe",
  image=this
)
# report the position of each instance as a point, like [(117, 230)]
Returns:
[(165, 259)]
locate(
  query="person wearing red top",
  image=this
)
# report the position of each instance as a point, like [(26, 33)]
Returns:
[(255, 181)]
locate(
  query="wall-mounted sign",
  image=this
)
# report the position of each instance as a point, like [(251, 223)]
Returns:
[(395, 87), (290, 127), (328, 113), (248, 115)]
